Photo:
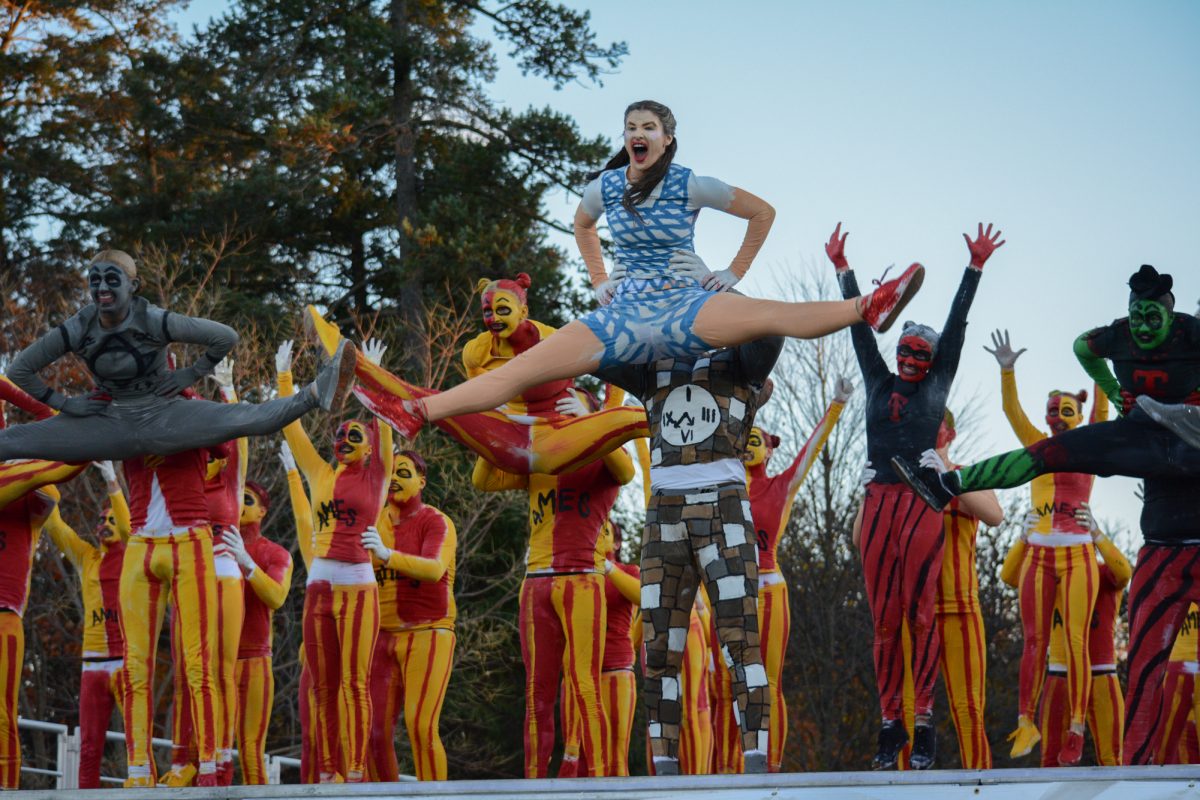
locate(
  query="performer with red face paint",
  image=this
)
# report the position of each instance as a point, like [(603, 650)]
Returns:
[(1060, 568), (341, 598), (528, 434), (901, 541)]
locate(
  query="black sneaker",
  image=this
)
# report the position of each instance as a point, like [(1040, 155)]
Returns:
[(924, 749), (892, 738), (926, 483)]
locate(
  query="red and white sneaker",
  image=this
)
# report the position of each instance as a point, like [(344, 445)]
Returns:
[(406, 416), (881, 308), (1072, 750)]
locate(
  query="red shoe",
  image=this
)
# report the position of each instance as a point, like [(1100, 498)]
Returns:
[(207, 779), (225, 772), (881, 308), (406, 416), (1072, 750)]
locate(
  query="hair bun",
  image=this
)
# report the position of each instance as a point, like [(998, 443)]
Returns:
[(482, 284), (523, 280), (1081, 396)]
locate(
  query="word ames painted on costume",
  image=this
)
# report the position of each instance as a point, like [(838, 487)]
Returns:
[(690, 415), (561, 501), (336, 509)]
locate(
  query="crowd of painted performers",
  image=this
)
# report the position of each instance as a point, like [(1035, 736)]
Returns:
[(706, 609)]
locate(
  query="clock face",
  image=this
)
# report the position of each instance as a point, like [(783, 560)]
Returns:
[(690, 415)]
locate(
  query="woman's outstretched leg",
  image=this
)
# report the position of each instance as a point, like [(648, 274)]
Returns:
[(727, 320)]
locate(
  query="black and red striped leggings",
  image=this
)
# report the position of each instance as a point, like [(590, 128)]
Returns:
[(901, 549), (1165, 580)]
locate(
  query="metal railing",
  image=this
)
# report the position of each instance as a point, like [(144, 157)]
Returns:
[(66, 765)]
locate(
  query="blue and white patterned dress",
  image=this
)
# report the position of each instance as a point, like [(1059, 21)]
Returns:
[(653, 310)]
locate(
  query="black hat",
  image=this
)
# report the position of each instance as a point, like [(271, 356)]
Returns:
[(1148, 284)]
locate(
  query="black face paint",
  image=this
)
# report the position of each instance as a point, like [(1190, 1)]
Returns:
[(111, 288)]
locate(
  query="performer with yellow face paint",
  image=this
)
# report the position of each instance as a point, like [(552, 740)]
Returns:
[(267, 569), (1106, 705), (527, 435), (1181, 699), (341, 600), (99, 569), (414, 551), (771, 499), (1060, 566), (562, 599)]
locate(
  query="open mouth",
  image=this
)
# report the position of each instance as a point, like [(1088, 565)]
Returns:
[(496, 327), (345, 449), (393, 487), (105, 298), (640, 151), (905, 369)]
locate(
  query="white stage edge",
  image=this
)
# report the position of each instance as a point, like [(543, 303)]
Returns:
[(1108, 783)]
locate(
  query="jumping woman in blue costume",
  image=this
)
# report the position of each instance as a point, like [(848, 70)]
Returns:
[(662, 301)]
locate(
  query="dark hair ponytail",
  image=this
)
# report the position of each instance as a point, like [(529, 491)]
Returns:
[(639, 190)]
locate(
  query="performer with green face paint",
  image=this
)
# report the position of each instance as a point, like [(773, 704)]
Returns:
[(1155, 355)]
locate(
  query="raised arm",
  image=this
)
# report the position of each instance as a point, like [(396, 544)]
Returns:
[(116, 499), (301, 507), (1090, 351), (874, 368), (305, 455), (1100, 405), (802, 463), (1006, 357), (67, 540), (954, 333)]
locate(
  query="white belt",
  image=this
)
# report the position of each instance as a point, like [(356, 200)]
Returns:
[(1104, 667), (681, 477), (1059, 539), (226, 567), (163, 533), (769, 578), (110, 665), (1057, 669), (340, 573)]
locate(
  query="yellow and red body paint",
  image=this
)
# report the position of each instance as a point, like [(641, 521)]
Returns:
[(964, 644), (696, 731), (101, 680), (771, 500), (528, 437), (21, 520), (1181, 700), (265, 590), (727, 736), (176, 567), (415, 651)]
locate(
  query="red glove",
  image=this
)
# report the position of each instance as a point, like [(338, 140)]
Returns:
[(1128, 401), (984, 245), (835, 248)]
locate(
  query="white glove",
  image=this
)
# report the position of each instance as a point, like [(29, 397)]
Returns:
[(721, 281), (374, 349), (223, 374), (868, 474), (106, 469), (237, 549), (572, 405), (1028, 524), (285, 455), (283, 357), (1004, 354), (1084, 516), (687, 264), (931, 460), (374, 542), (842, 390), (608, 566), (605, 291)]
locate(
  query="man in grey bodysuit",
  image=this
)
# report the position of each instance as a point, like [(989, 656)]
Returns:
[(136, 409)]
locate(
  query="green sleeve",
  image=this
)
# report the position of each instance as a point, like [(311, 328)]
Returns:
[(1098, 370)]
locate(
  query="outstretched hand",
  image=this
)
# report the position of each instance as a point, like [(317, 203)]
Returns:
[(223, 373), (842, 390), (283, 356), (1004, 354), (373, 350), (286, 457), (984, 245), (835, 248)]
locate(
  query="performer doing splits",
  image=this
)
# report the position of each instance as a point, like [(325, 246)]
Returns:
[(135, 410), (664, 303), (1156, 356), (902, 543)]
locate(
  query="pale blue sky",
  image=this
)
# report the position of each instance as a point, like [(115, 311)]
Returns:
[(1073, 125)]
